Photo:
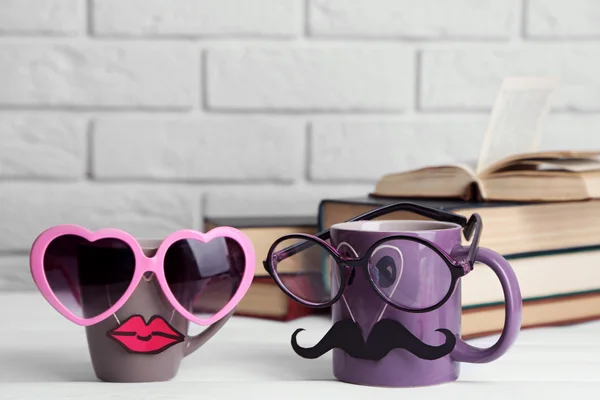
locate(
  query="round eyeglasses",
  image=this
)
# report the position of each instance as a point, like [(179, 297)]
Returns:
[(312, 272)]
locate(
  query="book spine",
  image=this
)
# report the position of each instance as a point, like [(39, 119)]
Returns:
[(320, 213)]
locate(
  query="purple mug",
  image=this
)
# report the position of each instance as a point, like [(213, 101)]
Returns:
[(402, 348)]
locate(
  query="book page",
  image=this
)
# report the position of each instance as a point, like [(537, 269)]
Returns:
[(517, 119), (466, 166), (572, 165), (564, 157)]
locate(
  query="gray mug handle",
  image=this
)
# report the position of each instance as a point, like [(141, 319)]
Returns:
[(193, 343)]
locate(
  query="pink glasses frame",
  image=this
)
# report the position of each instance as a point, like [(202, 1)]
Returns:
[(143, 264)]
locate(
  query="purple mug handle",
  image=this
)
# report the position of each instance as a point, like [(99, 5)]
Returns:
[(513, 310)]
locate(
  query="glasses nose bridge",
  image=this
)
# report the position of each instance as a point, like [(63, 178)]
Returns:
[(351, 262), (149, 264), (349, 269)]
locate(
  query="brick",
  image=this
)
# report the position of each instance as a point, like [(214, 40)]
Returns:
[(27, 209), (563, 19), (14, 274), (48, 17), (366, 150), (42, 147), (310, 78), (272, 200), (98, 75), (254, 150), (415, 19), (194, 18), (469, 78)]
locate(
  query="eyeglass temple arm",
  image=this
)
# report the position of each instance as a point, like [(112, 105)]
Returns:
[(473, 229), (428, 212), (431, 213), (372, 214)]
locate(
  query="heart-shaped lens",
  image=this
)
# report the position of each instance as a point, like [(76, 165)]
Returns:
[(204, 276), (88, 277)]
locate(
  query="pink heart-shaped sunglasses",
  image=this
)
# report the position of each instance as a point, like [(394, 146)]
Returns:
[(87, 276)]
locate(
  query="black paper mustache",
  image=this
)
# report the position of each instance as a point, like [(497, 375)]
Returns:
[(386, 335)]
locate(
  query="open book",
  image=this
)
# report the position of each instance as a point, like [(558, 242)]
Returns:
[(543, 176), (509, 167)]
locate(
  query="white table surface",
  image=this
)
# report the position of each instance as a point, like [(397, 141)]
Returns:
[(43, 356)]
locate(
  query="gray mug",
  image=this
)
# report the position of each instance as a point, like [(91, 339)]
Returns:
[(161, 342)]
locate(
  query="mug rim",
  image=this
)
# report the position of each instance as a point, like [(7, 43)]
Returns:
[(395, 226)]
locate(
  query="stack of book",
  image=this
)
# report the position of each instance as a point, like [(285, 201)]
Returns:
[(540, 210)]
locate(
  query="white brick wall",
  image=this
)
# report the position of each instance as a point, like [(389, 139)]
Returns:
[(42, 147), (197, 18), (198, 150), (48, 17), (467, 79), (555, 19), (315, 78), (421, 19), (94, 75), (148, 114)]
